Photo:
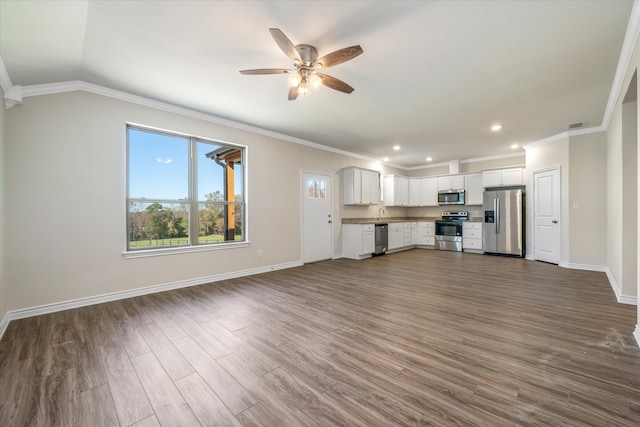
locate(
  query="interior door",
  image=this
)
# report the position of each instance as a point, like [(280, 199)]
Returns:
[(317, 227), (546, 215)]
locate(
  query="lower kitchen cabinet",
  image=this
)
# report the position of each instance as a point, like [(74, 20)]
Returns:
[(358, 240), (406, 235), (396, 235), (472, 237), (427, 233)]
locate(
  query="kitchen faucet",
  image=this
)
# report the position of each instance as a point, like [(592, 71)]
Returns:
[(380, 212)]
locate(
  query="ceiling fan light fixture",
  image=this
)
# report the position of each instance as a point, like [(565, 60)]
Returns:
[(303, 88), (295, 79), (315, 81)]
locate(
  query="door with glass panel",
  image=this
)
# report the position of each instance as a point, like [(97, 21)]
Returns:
[(317, 221)]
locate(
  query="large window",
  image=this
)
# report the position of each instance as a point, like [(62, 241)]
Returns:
[(183, 191)]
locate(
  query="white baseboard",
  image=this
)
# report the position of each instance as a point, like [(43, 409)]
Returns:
[(636, 335), (99, 299), (622, 298), (582, 266)]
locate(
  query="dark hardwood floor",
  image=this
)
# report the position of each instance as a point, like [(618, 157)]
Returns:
[(414, 338)]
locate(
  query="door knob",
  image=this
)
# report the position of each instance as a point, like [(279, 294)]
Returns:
[(555, 221)]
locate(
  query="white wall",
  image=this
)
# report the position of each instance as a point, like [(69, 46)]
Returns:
[(65, 210)]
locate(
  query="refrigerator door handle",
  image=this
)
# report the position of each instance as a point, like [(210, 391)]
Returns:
[(496, 208)]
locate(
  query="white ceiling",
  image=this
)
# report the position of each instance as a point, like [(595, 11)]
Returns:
[(434, 75)]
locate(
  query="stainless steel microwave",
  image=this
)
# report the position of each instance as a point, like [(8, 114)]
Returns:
[(451, 197)]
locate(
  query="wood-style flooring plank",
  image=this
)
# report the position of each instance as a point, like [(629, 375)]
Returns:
[(227, 388), (206, 405), (171, 359), (129, 398), (167, 402), (97, 408)]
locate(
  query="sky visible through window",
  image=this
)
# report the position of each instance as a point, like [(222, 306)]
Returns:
[(158, 167)]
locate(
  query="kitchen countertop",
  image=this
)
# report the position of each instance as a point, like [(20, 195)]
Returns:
[(388, 220)]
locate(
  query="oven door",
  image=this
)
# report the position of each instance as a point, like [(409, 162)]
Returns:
[(448, 227), (449, 235)]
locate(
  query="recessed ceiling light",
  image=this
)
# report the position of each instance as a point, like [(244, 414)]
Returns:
[(429, 159), (396, 147), (386, 159), (514, 146), (496, 128)]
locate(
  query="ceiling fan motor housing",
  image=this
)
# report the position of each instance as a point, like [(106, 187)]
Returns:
[(308, 54)]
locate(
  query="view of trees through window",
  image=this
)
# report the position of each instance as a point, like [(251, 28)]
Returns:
[(183, 191)]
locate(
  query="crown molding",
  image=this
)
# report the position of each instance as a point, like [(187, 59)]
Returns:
[(628, 46), (5, 80), (12, 94), (564, 135), (78, 85)]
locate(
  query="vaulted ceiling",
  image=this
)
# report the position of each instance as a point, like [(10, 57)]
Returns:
[(433, 78)]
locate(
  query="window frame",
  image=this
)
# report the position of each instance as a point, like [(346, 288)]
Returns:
[(192, 201)]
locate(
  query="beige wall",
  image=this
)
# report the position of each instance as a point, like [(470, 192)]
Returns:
[(614, 198), (554, 154), (65, 157), (587, 200), (3, 308), (617, 181), (470, 167)]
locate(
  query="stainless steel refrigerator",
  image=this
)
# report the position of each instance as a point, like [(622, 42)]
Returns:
[(503, 230)]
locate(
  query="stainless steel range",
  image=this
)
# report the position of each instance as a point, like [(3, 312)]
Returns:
[(449, 231)]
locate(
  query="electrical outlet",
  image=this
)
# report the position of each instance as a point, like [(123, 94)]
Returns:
[(576, 205), (260, 253)]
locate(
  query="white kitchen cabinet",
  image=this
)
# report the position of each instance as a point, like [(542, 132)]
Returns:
[(396, 190), (428, 191), (396, 235), (451, 182), (358, 240), (473, 189), (414, 234), (360, 186), (500, 177), (512, 176), (426, 233), (406, 236), (370, 187), (414, 191), (472, 236)]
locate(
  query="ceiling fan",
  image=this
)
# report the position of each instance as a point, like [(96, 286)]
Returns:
[(306, 64)]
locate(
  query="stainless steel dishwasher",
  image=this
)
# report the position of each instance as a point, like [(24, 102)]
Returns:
[(382, 239)]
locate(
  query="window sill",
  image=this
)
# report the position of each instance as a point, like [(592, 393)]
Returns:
[(145, 253)]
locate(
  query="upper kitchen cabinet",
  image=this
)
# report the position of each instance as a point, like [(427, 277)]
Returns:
[(501, 177), (360, 186), (396, 190), (450, 182), (414, 191), (473, 189), (428, 191)]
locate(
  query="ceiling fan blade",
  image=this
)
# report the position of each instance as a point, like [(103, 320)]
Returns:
[(335, 84), (339, 56), (266, 71), (285, 44), (293, 93)]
